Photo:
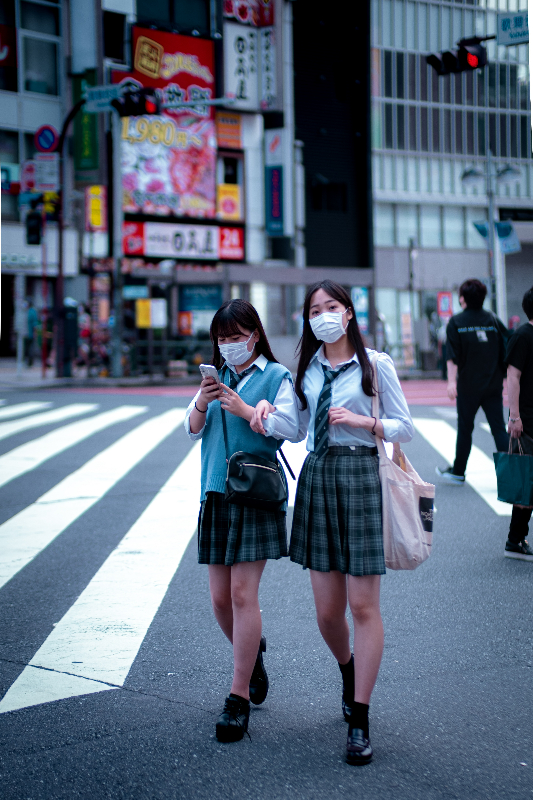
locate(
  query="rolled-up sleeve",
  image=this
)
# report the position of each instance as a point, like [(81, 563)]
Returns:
[(187, 424), (398, 427), (283, 422)]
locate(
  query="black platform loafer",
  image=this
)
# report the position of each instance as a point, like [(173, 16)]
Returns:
[(259, 679), (358, 748), (233, 722)]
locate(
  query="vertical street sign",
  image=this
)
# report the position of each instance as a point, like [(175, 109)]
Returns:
[(47, 172)]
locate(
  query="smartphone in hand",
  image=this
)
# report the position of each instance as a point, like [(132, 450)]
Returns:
[(209, 371)]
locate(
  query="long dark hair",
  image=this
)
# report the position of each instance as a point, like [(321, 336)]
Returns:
[(228, 321), (309, 344)]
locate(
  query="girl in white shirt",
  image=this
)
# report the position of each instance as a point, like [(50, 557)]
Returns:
[(336, 530)]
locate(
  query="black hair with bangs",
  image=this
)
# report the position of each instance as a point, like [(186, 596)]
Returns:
[(233, 318), (309, 344)]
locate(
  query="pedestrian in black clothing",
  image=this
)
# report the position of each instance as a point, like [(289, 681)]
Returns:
[(475, 350), (519, 358)]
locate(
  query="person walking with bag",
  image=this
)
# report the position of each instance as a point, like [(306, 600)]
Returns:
[(337, 531), (519, 359), (236, 540), (475, 349)]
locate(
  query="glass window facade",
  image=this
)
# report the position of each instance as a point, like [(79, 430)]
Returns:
[(427, 129)]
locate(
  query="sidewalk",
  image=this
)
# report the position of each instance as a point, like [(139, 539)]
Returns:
[(422, 392)]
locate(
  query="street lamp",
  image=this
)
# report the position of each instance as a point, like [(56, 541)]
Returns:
[(504, 176)]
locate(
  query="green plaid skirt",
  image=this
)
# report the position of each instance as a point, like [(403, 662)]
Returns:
[(337, 513), (229, 534)]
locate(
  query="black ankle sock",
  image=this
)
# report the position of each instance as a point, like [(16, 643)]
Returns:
[(359, 717), (348, 679), (240, 699)]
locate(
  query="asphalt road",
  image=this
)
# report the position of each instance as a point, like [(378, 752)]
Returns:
[(451, 715)]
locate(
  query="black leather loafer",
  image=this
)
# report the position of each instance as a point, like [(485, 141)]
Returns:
[(259, 679), (358, 748), (233, 722), (346, 710)]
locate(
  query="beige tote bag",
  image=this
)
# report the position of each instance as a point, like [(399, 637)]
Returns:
[(407, 503)]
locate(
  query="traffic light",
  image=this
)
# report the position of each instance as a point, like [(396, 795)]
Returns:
[(33, 227), (470, 55), (138, 103)]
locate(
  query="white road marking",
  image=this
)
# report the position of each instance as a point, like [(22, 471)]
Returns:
[(100, 635), (485, 426), (32, 454), (19, 409), (480, 472), (27, 533), (46, 418)]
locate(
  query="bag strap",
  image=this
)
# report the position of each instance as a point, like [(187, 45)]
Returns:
[(224, 426), (282, 454), (225, 430), (397, 451)]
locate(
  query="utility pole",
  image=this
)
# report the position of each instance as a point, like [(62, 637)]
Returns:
[(118, 216), (490, 197)]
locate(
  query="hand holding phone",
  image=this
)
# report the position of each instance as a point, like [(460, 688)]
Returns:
[(210, 387), (208, 371)]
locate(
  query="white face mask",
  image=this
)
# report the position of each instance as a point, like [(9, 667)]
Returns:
[(236, 353), (328, 326)]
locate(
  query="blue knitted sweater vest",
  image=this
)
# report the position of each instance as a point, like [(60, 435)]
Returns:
[(262, 385)]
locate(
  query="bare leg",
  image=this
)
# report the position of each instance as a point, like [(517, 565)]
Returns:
[(329, 589), (245, 579), (363, 595), (220, 588)]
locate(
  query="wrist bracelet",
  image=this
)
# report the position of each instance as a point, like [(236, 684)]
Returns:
[(373, 432), (199, 409), (514, 419)]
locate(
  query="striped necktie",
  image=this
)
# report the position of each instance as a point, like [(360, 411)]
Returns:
[(322, 408), (235, 379)]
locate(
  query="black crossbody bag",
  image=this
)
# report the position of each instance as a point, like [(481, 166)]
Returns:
[(254, 481)]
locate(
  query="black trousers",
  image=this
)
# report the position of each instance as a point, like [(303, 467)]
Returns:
[(467, 408), (520, 517)]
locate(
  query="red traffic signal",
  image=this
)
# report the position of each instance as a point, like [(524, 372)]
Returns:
[(138, 103), (470, 55)]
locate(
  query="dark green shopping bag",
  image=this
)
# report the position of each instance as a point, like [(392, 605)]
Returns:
[(514, 473)]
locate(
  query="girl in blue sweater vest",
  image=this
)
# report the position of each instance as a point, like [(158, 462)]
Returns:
[(233, 540)]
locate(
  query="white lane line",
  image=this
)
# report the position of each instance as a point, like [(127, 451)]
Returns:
[(485, 426), (20, 409), (32, 454), (46, 418), (27, 533), (100, 635), (480, 472)]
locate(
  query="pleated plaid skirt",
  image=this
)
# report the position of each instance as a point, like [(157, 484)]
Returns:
[(337, 513), (229, 534)]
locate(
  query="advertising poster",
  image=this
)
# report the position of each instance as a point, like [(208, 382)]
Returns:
[(182, 241), (361, 307), (241, 65), (250, 12), (444, 305), (169, 161), (229, 201), (197, 306)]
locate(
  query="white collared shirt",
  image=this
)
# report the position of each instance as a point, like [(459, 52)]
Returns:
[(281, 423), (347, 392)]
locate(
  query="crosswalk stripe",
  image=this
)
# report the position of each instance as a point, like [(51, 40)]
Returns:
[(31, 530), (100, 635), (32, 454), (19, 409), (480, 474), (46, 418)]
